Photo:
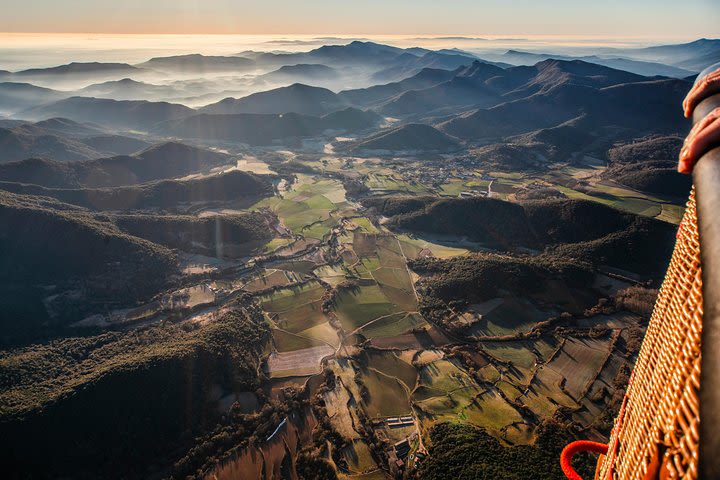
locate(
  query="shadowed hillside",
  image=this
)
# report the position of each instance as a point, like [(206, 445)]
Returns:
[(411, 137), (48, 246), (577, 229), (222, 236), (266, 129), (160, 161), (232, 186), (51, 395)]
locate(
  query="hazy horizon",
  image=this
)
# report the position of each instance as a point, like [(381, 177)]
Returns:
[(461, 17), (28, 50)]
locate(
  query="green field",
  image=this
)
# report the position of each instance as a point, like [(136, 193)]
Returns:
[(332, 274), (287, 298), (359, 458), (272, 278), (323, 332), (380, 258), (414, 246), (389, 364), (300, 266), (387, 397), (444, 376), (449, 406), (288, 342), (671, 213), (308, 208), (491, 411), (365, 224), (518, 352), (297, 308), (393, 277), (579, 362), (489, 373), (393, 325), (513, 315), (628, 200), (277, 243), (299, 318), (544, 395), (362, 305)]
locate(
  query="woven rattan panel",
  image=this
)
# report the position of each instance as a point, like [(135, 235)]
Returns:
[(660, 418)]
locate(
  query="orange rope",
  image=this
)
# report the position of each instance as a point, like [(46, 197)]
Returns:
[(573, 449)]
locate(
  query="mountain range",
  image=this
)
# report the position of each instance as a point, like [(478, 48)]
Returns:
[(645, 68)]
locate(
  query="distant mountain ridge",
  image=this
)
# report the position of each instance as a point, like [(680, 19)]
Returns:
[(264, 129), (639, 67), (695, 55), (200, 63), (370, 96), (128, 114), (78, 68), (296, 98), (126, 89), (16, 96), (316, 71)]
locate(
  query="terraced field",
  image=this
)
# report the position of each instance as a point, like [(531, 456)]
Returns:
[(340, 297)]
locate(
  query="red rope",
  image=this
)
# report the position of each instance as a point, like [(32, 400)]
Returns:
[(613, 447), (574, 448)]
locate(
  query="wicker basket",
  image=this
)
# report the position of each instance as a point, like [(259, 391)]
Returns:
[(656, 433)]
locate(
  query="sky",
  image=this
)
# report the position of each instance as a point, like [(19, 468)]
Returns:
[(659, 19)]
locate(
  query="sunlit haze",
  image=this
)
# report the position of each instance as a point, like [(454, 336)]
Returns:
[(660, 19)]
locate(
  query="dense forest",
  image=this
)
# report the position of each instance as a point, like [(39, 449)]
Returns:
[(213, 235), (478, 277), (152, 389), (573, 229), (166, 160), (47, 245), (231, 186), (468, 452)]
